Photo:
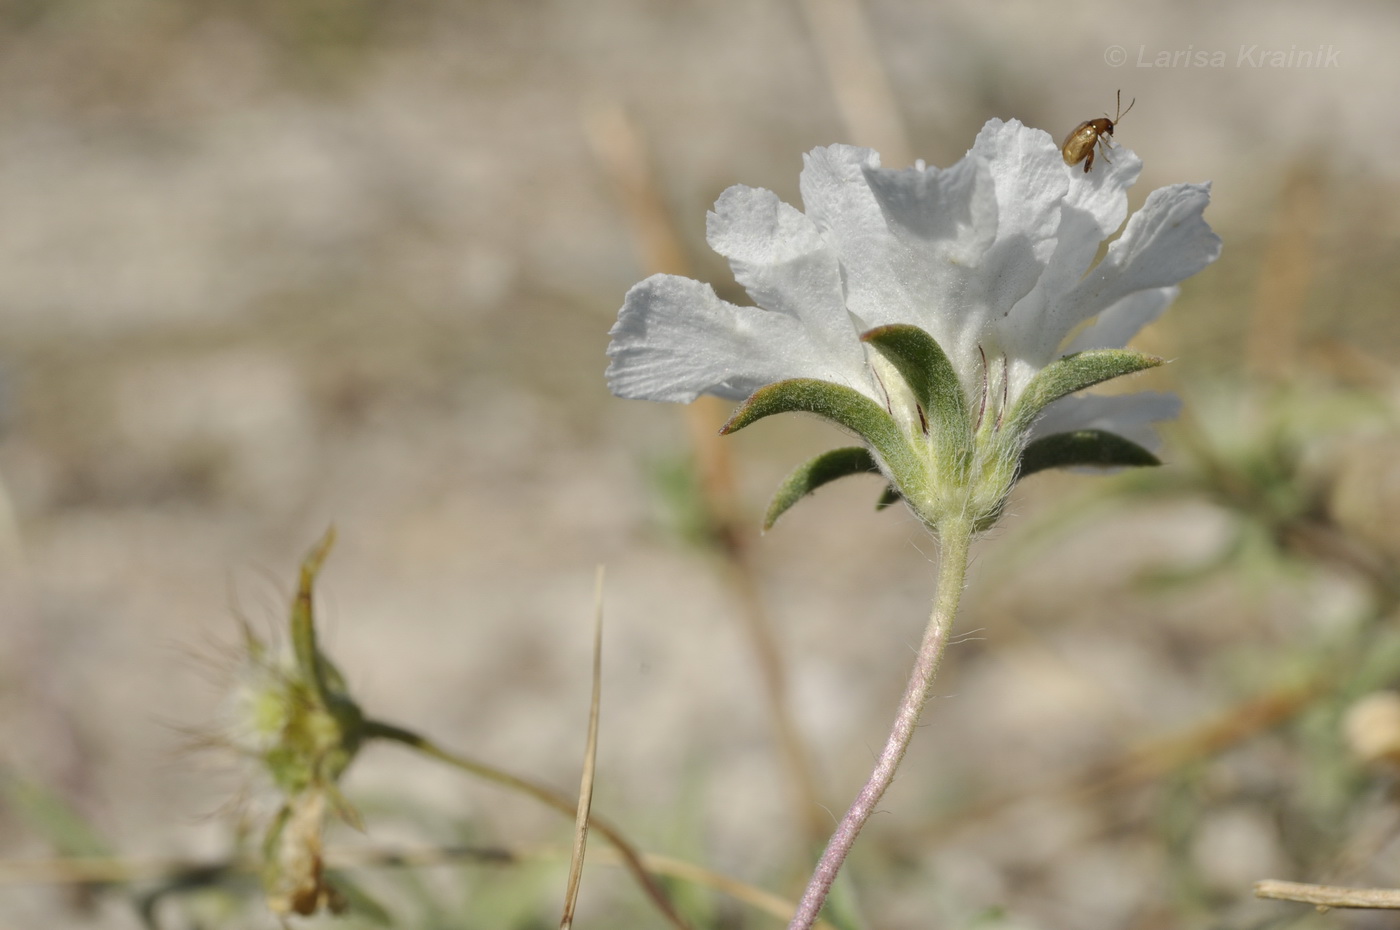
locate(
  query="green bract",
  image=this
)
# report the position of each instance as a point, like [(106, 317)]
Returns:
[(947, 465)]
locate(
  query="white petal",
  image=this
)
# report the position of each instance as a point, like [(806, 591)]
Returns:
[(752, 226), (835, 195), (1030, 183), (1101, 195), (948, 250), (952, 212), (1129, 415), (940, 224), (782, 261), (1124, 320), (1029, 186), (1094, 206), (675, 340), (979, 233), (1167, 241), (839, 202)]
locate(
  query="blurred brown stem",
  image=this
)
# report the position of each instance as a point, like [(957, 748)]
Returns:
[(1285, 276), (858, 79), (622, 152)]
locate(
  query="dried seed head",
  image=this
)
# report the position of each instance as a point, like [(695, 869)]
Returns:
[(1372, 727)]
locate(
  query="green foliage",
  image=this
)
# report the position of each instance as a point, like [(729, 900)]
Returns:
[(675, 485), (1083, 448), (841, 405), (1276, 462), (825, 468), (1074, 373), (50, 815), (924, 439), (926, 369)]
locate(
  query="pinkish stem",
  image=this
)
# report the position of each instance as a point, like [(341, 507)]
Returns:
[(952, 569)]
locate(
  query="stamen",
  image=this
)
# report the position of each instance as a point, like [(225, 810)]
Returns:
[(1005, 390), (982, 407)]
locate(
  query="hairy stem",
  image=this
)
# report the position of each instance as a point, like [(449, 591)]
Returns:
[(954, 541)]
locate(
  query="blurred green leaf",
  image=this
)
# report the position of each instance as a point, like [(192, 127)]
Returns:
[(50, 815)]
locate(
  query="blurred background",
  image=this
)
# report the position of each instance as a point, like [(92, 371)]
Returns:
[(268, 266)]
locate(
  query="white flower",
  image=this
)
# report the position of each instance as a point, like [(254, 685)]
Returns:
[(993, 258)]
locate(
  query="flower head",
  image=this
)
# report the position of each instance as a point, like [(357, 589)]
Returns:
[(293, 717), (945, 316)]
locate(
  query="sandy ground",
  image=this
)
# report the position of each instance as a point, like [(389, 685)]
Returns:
[(262, 271)]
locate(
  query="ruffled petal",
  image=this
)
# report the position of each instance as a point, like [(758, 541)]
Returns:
[(780, 258), (1121, 322), (950, 251), (1100, 199), (1031, 185), (675, 340), (839, 202), (980, 233), (1094, 206), (1167, 241), (940, 225)]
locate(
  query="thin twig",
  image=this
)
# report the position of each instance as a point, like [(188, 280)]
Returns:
[(590, 759), (1327, 896), (555, 799)]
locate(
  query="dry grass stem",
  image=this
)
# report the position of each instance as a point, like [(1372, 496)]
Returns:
[(590, 760), (1328, 896)]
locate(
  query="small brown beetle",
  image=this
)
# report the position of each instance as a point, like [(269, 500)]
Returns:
[(1079, 144)]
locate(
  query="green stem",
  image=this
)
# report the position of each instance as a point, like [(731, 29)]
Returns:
[(954, 542), (374, 729)]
